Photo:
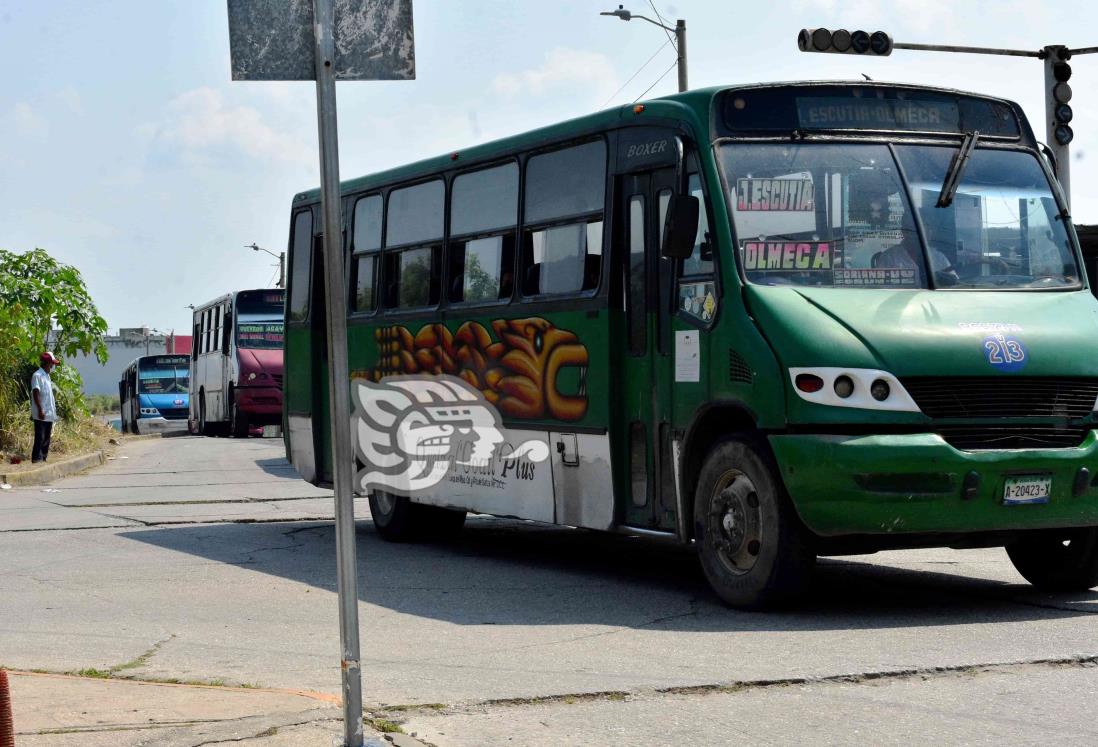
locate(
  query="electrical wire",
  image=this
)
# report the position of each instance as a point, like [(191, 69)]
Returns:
[(663, 23), (665, 72), (634, 75)]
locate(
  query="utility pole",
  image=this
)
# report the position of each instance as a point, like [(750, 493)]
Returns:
[(1058, 113), (680, 38)]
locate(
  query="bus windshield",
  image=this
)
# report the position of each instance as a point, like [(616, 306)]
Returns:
[(841, 215), (163, 379), (259, 334)]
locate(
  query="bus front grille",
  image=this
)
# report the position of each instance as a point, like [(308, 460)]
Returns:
[(1003, 397), (174, 413), (986, 437)]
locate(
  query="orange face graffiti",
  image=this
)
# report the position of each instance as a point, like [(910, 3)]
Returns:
[(517, 373)]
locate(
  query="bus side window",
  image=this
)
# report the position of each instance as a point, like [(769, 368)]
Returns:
[(300, 266), (413, 272), (562, 228), (697, 294), (483, 217), (365, 243)]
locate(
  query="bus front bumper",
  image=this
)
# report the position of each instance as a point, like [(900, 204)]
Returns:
[(161, 425), (918, 483), (260, 400)]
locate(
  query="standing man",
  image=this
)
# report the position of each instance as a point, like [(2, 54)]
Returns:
[(43, 407)]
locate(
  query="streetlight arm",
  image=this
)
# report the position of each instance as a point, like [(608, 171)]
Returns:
[(631, 16), (257, 248)]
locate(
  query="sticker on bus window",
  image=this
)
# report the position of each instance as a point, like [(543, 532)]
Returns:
[(805, 256), (777, 195), (884, 276)]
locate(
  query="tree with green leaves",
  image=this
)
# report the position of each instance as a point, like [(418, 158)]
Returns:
[(40, 295)]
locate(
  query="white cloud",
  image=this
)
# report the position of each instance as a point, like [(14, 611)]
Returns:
[(25, 120), (563, 69), (200, 122), (72, 100)]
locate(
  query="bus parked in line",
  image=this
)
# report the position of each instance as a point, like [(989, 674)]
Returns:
[(236, 363), (772, 321), (153, 394)]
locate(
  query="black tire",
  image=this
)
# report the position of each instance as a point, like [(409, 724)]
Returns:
[(203, 426), (752, 546), (238, 422), (1057, 560), (397, 519)]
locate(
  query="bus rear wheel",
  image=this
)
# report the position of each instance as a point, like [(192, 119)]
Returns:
[(1057, 560), (753, 549), (397, 519)]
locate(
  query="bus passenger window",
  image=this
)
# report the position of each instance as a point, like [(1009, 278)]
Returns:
[(364, 282), (481, 269), (563, 259), (567, 187), (413, 277), (300, 266), (483, 216), (365, 241)]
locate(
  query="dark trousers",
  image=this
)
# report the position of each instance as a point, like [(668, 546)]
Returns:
[(43, 430)]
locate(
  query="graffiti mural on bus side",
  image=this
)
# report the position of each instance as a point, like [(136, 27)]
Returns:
[(517, 372)]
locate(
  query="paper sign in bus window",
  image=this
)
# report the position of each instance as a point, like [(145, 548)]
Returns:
[(884, 277), (777, 195), (805, 256)]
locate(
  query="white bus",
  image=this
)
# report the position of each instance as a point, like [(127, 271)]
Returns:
[(236, 363)]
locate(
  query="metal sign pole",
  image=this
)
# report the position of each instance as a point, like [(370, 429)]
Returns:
[(338, 372)]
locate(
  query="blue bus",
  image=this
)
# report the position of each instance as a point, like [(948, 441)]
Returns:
[(153, 394)]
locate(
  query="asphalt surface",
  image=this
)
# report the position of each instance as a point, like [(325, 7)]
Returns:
[(210, 561)]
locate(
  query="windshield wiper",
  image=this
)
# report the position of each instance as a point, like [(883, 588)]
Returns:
[(956, 168)]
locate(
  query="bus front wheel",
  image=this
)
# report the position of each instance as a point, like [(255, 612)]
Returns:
[(238, 421), (1057, 560), (397, 519), (752, 546)]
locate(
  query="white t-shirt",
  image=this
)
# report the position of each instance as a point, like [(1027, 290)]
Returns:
[(41, 382)]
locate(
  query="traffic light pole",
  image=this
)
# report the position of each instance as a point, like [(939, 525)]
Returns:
[(1058, 114)]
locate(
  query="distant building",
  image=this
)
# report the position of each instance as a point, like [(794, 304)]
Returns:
[(129, 343)]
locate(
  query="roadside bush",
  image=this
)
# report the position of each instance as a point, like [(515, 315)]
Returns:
[(38, 295)]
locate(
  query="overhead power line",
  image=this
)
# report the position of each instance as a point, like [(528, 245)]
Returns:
[(634, 75)]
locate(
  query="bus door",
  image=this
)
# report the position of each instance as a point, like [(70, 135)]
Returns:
[(647, 361)]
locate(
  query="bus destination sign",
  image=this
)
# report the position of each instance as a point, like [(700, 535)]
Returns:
[(834, 113), (870, 107)]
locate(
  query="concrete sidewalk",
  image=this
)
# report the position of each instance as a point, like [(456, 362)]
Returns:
[(51, 709)]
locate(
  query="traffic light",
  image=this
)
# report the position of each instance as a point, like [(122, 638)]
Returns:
[(841, 41), (1060, 92)]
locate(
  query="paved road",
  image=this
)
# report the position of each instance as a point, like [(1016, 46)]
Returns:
[(209, 560)]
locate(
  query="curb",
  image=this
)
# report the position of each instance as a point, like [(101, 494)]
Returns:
[(51, 472)]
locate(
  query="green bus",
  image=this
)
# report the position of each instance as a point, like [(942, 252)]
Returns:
[(772, 321)]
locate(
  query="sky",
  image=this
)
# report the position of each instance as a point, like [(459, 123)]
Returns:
[(127, 151)]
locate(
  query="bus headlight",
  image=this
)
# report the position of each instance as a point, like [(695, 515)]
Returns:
[(150, 411), (863, 388)]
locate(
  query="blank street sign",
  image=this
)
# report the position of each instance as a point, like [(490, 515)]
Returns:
[(273, 40)]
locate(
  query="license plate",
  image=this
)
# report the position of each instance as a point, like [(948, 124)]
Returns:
[(1022, 489)]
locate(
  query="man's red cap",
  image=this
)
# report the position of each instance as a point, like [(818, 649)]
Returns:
[(48, 357)]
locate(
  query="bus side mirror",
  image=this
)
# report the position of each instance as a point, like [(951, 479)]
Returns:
[(681, 227)]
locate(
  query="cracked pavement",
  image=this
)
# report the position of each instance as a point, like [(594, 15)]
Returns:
[(207, 561)]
